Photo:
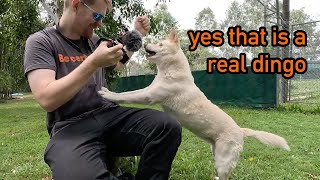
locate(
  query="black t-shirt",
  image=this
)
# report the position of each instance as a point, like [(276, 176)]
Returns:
[(49, 49)]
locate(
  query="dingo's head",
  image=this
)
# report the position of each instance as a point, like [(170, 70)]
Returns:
[(164, 50)]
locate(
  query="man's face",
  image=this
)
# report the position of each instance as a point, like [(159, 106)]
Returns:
[(90, 16)]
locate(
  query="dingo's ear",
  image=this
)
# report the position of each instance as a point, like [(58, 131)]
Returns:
[(173, 36)]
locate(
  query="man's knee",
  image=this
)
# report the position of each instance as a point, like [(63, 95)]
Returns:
[(169, 125), (173, 126)]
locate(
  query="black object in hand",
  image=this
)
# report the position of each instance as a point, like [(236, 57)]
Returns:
[(132, 40)]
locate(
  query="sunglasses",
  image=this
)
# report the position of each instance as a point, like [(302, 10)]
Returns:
[(96, 16)]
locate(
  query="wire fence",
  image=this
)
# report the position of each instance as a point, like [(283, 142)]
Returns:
[(305, 88)]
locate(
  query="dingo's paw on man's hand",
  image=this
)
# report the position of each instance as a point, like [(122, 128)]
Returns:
[(111, 96), (104, 92)]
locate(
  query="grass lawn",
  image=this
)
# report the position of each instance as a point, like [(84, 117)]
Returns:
[(23, 138)]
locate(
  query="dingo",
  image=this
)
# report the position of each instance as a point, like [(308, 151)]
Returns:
[(174, 88)]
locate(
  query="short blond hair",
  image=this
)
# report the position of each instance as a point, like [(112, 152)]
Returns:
[(91, 2)]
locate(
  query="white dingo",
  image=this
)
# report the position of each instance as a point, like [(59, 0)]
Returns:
[(174, 88)]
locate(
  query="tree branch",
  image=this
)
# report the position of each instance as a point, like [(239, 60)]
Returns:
[(50, 12)]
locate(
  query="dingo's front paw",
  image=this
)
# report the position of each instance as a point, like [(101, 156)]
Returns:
[(104, 92)]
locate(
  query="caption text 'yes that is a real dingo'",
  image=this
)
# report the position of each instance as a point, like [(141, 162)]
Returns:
[(254, 38)]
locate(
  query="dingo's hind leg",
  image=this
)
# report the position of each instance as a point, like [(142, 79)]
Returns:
[(226, 155)]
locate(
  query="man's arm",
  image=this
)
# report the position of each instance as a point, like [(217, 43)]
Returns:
[(51, 93)]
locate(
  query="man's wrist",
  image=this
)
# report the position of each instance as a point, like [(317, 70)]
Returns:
[(141, 35)]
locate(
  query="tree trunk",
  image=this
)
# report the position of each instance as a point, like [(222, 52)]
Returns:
[(285, 52), (1, 55)]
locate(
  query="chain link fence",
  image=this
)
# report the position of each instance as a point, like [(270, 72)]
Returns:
[(305, 88)]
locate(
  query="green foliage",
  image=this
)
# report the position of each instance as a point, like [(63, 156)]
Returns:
[(194, 57), (123, 12), (311, 51), (6, 84), (234, 16), (205, 20), (17, 22), (112, 78), (300, 108), (162, 22), (165, 21), (5, 79)]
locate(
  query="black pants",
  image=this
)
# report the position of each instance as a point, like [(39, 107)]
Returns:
[(78, 148)]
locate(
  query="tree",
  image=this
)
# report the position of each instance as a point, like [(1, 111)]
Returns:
[(16, 23), (250, 16), (205, 20), (253, 17), (253, 14), (163, 23), (311, 52), (234, 16), (53, 9), (121, 14)]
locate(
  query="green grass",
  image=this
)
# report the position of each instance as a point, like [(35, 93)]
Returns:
[(23, 138)]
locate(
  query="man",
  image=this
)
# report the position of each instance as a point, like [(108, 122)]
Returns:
[(65, 68)]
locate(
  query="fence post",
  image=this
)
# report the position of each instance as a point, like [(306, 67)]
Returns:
[(285, 52)]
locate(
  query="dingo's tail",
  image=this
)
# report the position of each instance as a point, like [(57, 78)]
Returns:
[(266, 138)]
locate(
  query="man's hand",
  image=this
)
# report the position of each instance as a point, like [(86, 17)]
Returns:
[(104, 56), (142, 24)]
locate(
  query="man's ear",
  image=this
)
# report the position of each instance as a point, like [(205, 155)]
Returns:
[(75, 4), (173, 36)]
